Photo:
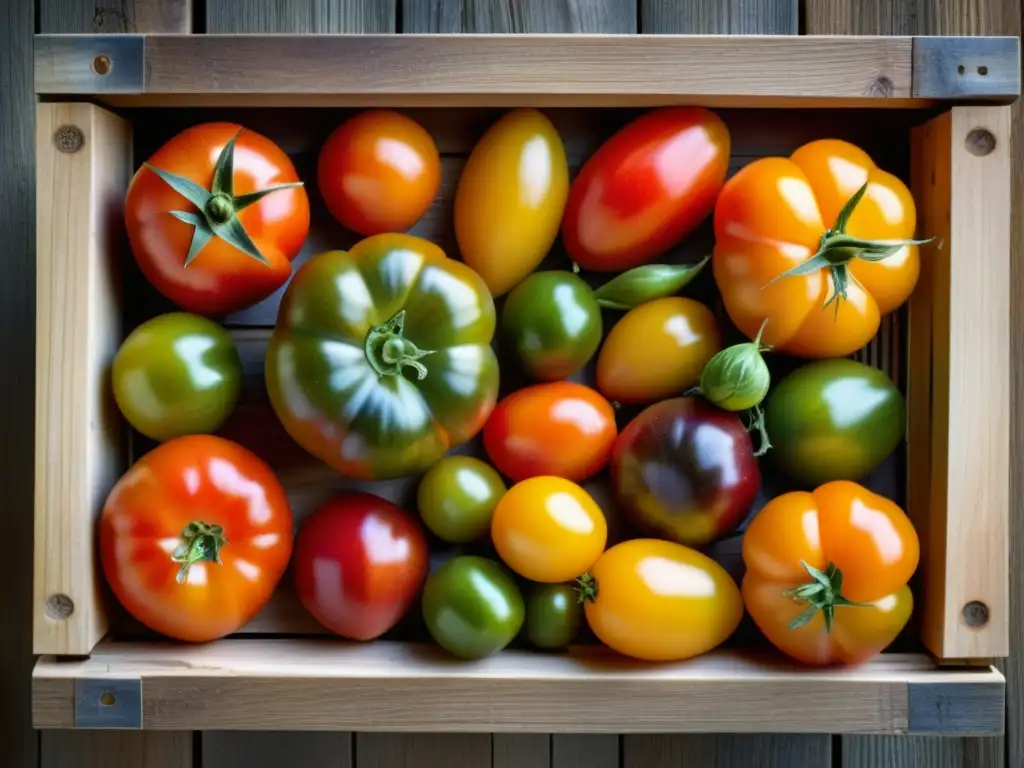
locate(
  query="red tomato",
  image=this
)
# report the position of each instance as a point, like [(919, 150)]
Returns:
[(195, 537), (220, 277), (379, 172), (558, 428), (359, 564), (646, 188)]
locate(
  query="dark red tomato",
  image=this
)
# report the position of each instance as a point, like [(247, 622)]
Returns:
[(359, 563), (685, 470), (646, 188)]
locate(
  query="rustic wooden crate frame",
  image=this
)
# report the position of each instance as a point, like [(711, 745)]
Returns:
[(958, 422)]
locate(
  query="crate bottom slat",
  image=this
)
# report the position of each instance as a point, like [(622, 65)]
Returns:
[(326, 684)]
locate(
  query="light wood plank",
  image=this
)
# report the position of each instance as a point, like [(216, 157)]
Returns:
[(78, 432), (720, 17), (254, 749), (95, 17), (423, 750), (521, 750), (587, 751), (123, 749), (300, 16), (775, 751), (517, 16)]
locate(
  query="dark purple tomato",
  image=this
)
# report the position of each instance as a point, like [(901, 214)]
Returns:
[(685, 470)]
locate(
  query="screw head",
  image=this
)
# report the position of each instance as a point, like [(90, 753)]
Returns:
[(975, 614), (980, 142), (69, 139)]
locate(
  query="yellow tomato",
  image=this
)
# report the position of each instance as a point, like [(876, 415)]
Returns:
[(657, 350), (548, 529), (510, 198), (660, 601)]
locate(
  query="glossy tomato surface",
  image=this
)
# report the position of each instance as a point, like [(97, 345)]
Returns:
[(221, 278), (657, 350), (195, 536), (873, 547), (379, 171), (457, 496), (553, 615), (659, 601), (359, 564), (548, 529), (685, 470), (558, 428), (646, 188), (510, 198)]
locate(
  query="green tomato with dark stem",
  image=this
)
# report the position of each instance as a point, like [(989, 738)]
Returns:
[(177, 374), (833, 420), (553, 615), (457, 497)]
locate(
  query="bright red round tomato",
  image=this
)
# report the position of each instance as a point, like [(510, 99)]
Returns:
[(379, 172), (558, 428), (646, 188), (195, 537), (214, 236), (359, 563)]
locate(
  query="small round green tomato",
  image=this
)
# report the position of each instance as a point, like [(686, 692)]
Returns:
[(553, 615), (457, 496), (177, 374), (552, 323), (472, 607), (833, 420)]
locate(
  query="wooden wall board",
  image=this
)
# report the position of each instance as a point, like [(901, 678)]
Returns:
[(115, 16), (519, 16), (299, 16)]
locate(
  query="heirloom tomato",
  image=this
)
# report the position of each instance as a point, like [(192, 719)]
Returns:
[(685, 470), (548, 529), (553, 615), (827, 572), (657, 350), (558, 428), (381, 357), (177, 374), (457, 496), (656, 600), (379, 171), (510, 198), (646, 188), (215, 218), (359, 564), (195, 536), (825, 227)]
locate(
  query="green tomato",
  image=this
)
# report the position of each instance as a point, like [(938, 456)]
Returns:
[(472, 607), (833, 420), (177, 374), (553, 615), (552, 323), (457, 496)]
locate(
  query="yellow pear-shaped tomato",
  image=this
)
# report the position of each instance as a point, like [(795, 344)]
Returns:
[(510, 198)]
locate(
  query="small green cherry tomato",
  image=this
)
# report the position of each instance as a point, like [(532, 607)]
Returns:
[(553, 615), (457, 496), (552, 323), (177, 374), (472, 607)]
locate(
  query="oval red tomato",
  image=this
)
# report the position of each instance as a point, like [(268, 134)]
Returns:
[(559, 428), (195, 537), (646, 188), (215, 218), (359, 563)]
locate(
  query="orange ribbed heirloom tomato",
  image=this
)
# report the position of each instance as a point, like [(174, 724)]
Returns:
[(819, 244), (827, 572)]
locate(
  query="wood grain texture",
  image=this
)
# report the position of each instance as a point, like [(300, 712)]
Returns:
[(124, 749), (519, 16), (115, 16), (300, 16), (423, 750), (900, 751), (742, 751), (719, 17), (588, 751), (521, 750), (232, 749)]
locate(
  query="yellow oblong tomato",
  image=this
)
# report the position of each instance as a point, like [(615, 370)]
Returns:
[(659, 601), (510, 198), (657, 350)]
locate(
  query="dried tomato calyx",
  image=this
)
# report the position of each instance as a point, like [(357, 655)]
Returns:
[(388, 351)]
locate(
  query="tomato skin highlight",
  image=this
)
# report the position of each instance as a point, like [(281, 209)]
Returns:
[(647, 187), (557, 428), (184, 480), (359, 563), (660, 601), (553, 616), (457, 496), (379, 171)]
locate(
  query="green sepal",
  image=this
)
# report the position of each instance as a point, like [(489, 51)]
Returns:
[(244, 201), (646, 283), (187, 188), (822, 593), (233, 232), (224, 170)]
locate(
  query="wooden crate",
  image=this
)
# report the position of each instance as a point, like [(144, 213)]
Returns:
[(934, 109)]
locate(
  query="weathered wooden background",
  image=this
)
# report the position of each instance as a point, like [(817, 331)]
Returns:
[(21, 746)]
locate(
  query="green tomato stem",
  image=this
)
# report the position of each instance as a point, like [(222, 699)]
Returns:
[(219, 208), (822, 593), (586, 589), (199, 541), (388, 351)]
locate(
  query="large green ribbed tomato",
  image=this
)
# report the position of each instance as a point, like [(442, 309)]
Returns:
[(381, 359)]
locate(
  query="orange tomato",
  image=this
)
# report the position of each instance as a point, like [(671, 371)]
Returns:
[(660, 601), (809, 555), (510, 198), (548, 529), (557, 428), (657, 350), (777, 213), (379, 171)]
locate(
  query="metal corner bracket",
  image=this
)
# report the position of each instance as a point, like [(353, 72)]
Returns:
[(114, 703)]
